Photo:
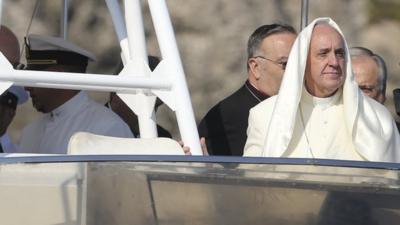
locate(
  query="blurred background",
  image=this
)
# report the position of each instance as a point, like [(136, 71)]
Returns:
[(212, 37)]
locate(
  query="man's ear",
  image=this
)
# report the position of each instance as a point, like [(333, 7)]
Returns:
[(253, 67), (382, 98)]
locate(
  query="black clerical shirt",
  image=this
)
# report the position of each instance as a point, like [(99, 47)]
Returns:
[(225, 125)]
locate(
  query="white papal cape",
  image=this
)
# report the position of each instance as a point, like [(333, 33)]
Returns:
[(369, 125)]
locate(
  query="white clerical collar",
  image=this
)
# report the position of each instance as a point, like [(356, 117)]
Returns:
[(320, 102), (70, 106)]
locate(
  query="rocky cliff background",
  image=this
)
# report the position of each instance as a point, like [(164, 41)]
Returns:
[(211, 36)]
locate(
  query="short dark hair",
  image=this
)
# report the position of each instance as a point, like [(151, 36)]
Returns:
[(256, 38)]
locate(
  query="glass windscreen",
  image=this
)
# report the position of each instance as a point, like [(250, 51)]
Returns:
[(197, 193)]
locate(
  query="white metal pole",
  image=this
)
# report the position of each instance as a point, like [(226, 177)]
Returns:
[(64, 20), (83, 81), (119, 26), (137, 52), (135, 30), (170, 53)]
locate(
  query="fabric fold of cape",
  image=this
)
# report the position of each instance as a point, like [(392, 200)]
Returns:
[(372, 127)]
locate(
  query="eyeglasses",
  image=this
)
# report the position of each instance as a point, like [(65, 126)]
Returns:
[(368, 88), (281, 64)]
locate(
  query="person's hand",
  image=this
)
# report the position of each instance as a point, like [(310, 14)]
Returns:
[(186, 149), (204, 146)]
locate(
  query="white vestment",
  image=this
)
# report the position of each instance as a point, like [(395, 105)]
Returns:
[(51, 133), (367, 130)]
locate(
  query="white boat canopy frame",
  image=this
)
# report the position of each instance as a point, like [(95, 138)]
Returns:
[(136, 84)]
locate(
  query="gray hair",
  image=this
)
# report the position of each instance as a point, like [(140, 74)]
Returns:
[(382, 69)]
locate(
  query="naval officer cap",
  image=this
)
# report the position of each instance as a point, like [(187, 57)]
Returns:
[(44, 51), (14, 96)]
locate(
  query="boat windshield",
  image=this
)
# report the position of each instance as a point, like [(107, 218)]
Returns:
[(192, 190)]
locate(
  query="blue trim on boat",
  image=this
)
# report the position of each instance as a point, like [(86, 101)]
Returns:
[(203, 159)]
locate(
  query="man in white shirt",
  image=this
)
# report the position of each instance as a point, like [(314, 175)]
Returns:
[(65, 111), (319, 111)]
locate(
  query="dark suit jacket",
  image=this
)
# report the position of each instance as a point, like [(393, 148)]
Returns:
[(225, 125)]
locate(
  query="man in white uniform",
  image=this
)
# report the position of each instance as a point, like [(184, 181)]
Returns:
[(65, 111), (319, 111)]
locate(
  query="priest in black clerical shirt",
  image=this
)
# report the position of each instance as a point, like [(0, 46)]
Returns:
[(224, 127)]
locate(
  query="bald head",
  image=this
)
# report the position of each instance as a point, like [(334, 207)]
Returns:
[(9, 45), (365, 71), (370, 73)]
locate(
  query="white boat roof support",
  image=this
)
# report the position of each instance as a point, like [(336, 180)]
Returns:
[(80, 81), (169, 51), (136, 84), (141, 104), (179, 97)]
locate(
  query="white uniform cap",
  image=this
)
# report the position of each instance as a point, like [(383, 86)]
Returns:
[(49, 43)]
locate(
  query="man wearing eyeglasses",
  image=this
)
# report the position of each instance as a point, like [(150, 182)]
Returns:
[(224, 126), (15, 95), (369, 72)]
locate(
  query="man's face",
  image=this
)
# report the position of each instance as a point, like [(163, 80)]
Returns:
[(46, 100), (366, 72), (43, 99), (326, 67), (267, 69)]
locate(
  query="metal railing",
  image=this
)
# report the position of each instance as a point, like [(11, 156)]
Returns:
[(136, 84)]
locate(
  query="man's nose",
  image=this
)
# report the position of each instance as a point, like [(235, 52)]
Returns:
[(333, 59)]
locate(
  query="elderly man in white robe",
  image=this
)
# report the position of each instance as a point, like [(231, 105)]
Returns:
[(319, 111)]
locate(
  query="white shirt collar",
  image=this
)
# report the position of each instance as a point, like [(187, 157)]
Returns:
[(69, 107), (321, 102)]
